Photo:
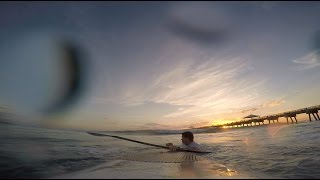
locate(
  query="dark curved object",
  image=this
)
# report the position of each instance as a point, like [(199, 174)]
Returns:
[(73, 64), (206, 36), (149, 144), (316, 43)]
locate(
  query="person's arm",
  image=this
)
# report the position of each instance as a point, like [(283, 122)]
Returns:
[(172, 147)]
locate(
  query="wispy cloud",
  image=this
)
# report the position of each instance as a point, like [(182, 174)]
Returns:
[(249, 110), (273, 103), (206, 89), (199, 124), (309, 61), (155, 126), (268, 104), (197, 91), (210, 88)]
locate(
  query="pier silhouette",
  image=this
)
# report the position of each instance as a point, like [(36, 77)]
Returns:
[(255, 120)]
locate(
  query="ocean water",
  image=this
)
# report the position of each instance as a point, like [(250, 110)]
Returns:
[(269, 151)]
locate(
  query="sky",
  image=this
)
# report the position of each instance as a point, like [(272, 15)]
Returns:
[(164, 65)]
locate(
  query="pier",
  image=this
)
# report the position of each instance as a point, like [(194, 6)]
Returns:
[(290, 116)]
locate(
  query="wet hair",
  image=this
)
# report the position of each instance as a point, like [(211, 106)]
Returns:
[(188, 135)]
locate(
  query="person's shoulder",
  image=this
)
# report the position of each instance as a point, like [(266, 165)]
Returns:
[(195, 144)]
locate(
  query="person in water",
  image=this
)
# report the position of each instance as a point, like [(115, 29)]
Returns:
[(187, 143)]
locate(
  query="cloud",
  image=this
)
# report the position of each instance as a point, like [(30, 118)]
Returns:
[(269, 104), (155, 126), (197, 89), (199, 124), (309, 61), (274, 103), (152, 124), (194, 88), (249, 110), (209, 88)]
